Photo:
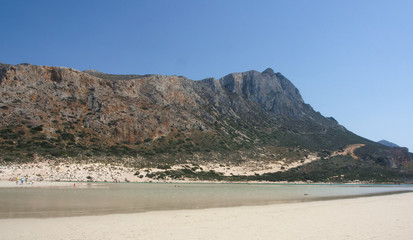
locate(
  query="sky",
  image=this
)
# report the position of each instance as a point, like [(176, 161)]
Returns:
[(352, 60)]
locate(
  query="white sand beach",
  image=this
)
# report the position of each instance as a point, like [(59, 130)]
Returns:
[(380, 217)]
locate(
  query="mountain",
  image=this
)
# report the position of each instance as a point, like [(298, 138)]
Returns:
[(388, 144), (252, 118)]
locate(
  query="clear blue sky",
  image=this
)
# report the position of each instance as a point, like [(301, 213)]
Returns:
[(352, 59)]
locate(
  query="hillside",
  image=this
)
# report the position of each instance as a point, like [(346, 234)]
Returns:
[(255, 119)]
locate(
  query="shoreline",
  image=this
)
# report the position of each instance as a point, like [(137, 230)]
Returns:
[(47, 183), (90, 210), (286, 202), (42, 184), (379, 217)]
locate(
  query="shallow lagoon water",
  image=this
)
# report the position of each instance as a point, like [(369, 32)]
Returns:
[(111, 198)]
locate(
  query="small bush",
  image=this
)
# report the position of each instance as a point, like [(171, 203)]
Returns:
[(37, 128), (67, 136), (164, 167)]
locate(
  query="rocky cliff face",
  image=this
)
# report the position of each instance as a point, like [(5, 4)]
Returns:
[(53, 110), (273, 92), (125, 110), (146, 107), (269, 93)]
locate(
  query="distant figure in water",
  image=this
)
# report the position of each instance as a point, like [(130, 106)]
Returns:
[(74, 184)]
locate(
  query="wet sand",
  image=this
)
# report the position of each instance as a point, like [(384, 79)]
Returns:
[(379, 217)]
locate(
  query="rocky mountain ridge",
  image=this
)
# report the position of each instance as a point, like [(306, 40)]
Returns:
[(156, 119)]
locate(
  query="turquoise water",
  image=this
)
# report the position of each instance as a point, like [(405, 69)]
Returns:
[(98, 199)]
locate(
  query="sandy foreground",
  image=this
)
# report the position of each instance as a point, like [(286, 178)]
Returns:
[(381, 217)]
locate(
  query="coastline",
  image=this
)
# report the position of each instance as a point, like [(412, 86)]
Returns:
[(45, 184), (379, 217), (50, 183)]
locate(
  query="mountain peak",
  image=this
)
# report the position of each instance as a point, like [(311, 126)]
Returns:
[(272, 91), (269, 71)]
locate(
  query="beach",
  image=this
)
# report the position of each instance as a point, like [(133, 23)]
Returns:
[(379, 217)]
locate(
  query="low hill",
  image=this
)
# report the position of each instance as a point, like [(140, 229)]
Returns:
[(388, 144)]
